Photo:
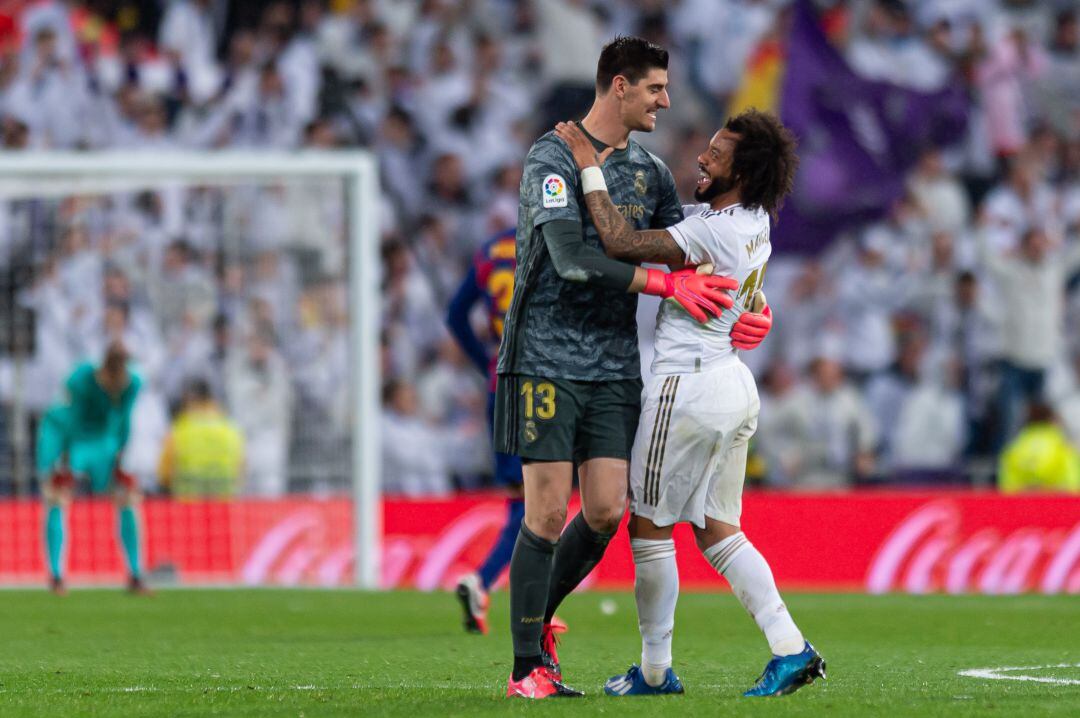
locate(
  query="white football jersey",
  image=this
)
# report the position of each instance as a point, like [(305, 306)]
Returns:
[(736, 242)]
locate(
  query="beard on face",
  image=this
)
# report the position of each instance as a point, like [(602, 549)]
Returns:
[(717, 187)]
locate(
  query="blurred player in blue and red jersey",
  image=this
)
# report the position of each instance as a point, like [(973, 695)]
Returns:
[(491, 278)]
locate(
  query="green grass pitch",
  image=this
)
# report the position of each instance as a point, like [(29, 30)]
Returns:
[(347, 653)]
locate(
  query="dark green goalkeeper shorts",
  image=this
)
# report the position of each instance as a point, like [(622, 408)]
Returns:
[(543, 419)]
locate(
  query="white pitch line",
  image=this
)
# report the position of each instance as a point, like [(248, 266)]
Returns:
[(994, 674), (238, 689), (172, 689)]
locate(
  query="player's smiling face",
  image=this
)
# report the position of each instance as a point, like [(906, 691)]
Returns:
[(714, 167), (642, 101)]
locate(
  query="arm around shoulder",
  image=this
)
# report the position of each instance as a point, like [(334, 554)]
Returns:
[(576, 261)]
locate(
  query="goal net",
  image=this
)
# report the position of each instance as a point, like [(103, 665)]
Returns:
[(252, 275)]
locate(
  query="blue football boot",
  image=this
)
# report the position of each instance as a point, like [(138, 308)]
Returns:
[(787, 674), (634, 684)]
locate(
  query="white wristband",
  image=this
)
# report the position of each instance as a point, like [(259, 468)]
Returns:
[(592, 180)]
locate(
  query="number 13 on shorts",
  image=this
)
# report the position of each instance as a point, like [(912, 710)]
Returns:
[(538, 400)]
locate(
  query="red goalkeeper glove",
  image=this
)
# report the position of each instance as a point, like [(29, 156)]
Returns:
[(751, 328), (696, 293)]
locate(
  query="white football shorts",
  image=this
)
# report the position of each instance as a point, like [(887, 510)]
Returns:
[(689, 455)]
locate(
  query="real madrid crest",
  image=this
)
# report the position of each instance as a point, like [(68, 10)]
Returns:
[(530, 431), (639, 183)]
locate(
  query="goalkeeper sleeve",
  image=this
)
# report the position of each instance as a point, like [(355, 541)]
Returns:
[(576, 261)]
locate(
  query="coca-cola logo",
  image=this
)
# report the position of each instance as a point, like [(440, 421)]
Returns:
[(296, 551), (928, 552)]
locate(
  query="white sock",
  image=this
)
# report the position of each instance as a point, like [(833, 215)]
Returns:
[(656, 589), (736, 559)]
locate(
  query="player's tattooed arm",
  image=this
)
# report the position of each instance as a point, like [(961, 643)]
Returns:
[(624, 242), (620, 239)]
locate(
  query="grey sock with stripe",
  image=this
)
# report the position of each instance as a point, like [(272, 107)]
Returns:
[(751, 579), (580, 549)]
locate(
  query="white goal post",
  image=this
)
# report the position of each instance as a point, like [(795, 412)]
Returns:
[(30, 172)]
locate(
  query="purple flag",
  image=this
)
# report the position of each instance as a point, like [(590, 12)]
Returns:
[(856, 137)]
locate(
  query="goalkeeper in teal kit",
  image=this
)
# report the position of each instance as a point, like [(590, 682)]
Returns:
[(83, 437)]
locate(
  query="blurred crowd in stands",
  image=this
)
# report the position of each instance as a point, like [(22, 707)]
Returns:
[(913, 350)]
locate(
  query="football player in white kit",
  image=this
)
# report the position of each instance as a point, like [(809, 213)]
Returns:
[(700, 408)]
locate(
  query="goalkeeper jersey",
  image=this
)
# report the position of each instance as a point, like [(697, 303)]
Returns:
[(736, 242), (91, 413), (557, 328)]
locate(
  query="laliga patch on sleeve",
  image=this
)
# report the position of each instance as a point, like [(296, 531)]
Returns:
[(554, 192)]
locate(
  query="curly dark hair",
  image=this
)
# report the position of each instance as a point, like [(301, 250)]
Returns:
[(631, 57), (764, 161)]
